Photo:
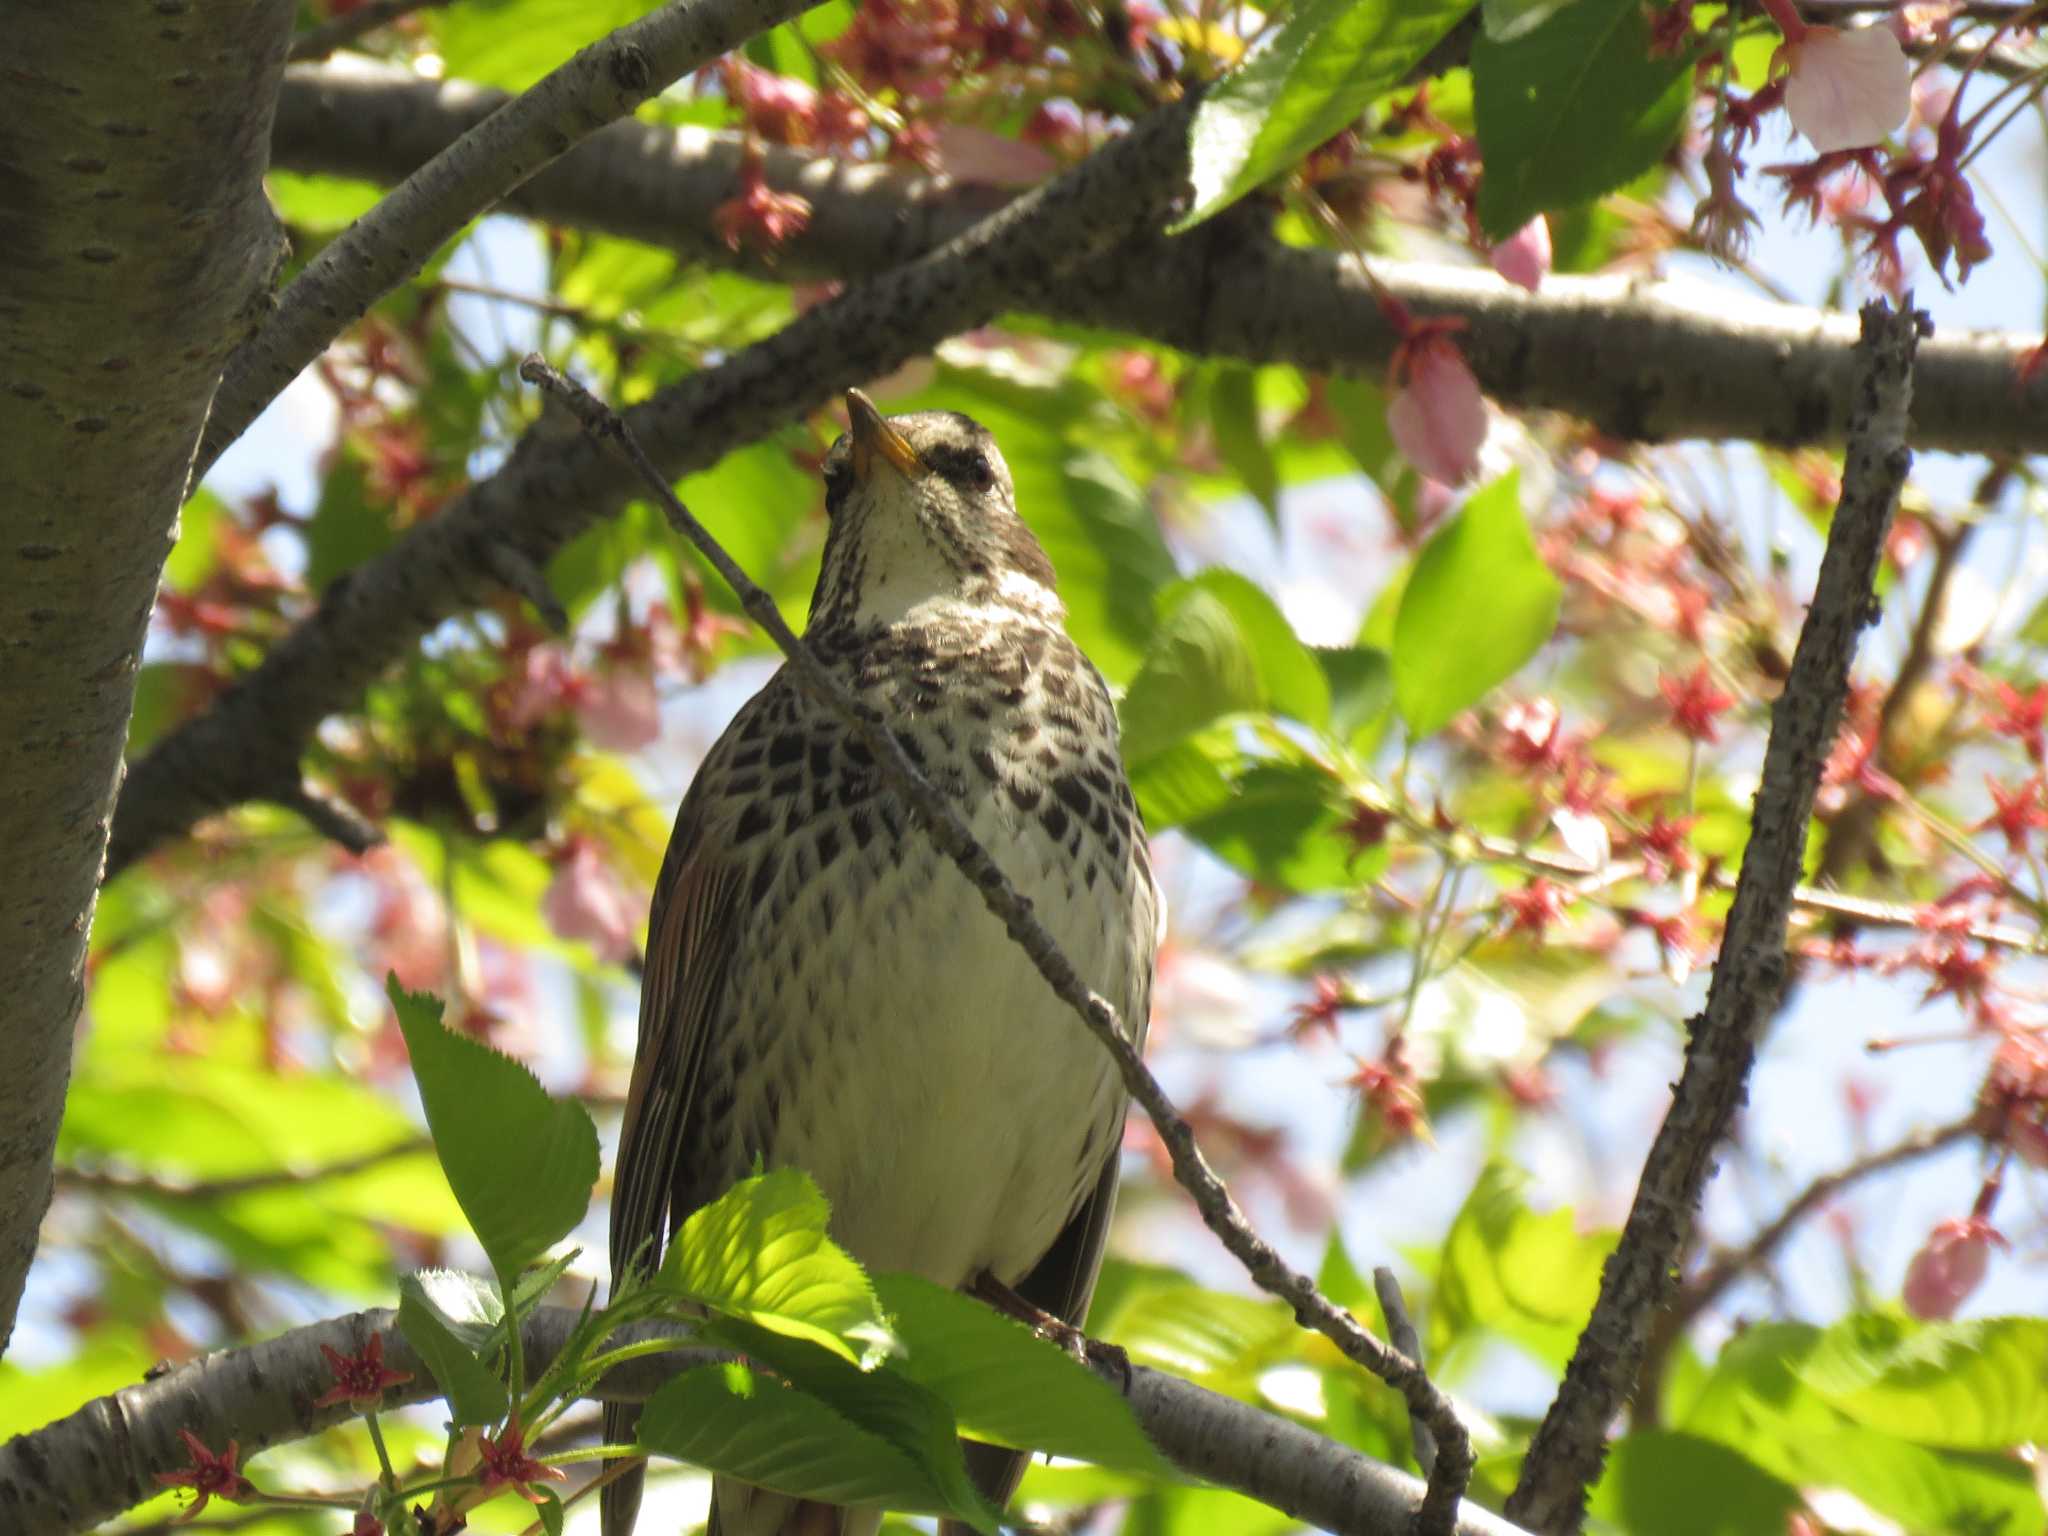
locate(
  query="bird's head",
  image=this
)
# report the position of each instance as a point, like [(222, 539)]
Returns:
[(922, 509)]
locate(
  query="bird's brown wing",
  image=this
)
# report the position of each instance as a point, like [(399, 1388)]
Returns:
[(682, 996)]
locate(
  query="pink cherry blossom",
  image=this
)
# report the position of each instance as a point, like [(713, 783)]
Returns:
[(586, 901), (1949, 1266), (1846, 90), (619, 711), (1438, 416), (1524, 256)]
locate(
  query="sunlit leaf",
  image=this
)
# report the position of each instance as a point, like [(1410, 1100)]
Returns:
[(521, 1163), (760, 1252), (1479, 603), (1322, 68)]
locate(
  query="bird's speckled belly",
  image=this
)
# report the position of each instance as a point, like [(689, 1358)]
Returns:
[(996, 1106)]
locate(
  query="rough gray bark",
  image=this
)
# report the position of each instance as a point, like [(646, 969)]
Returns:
[(1568, 1450), (136, 249), (70, 1475), (1640, 359)]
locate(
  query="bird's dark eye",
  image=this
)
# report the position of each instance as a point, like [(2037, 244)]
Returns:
[(969, 467)]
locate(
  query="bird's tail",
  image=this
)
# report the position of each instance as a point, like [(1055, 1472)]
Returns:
[(618, 1502)]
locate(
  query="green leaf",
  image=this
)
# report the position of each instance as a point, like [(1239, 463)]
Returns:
[(1508, 1271), (512, 43), (1234, 418), (1183, 782), (1506, 20), (1756, 1402), (550, 1511), (450, 1341), (1326, 64), (1282, 826), (1664, 1484), (728, 1419), (1361, 683), (1479, 603), (1979, 1385), (1223, 647), (1572, 109), (521, 1164), (759, 1252), (346, 529), (885, 1403), (1165, 1320), (1008, 1386)]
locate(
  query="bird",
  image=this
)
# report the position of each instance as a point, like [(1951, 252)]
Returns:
[(825, 990)]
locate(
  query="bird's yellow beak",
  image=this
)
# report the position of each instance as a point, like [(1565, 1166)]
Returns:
[(873, 435)]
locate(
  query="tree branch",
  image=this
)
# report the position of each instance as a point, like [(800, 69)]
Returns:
[(248, 742), (391, 242), (103, 1459), (1566, 1455), (1639, 360), (118, 1182), (949, 830), (135, 247)]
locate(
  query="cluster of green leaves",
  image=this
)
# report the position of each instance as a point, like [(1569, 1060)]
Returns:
[(1568, 101), (851, 1389)]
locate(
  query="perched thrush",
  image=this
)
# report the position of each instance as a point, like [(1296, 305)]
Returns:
[(825, 990)]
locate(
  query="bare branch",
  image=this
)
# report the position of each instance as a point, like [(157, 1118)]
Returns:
[(70, 1475), (1566, 1455), (394, 240), (1642, 360), (950, 831), (119, 1182), (1402, 1335)]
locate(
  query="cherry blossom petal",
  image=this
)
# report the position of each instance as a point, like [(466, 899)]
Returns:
[(1847, 90), (1438, 418), (619, 711), (1524, 256), (586, 901), (1948, 1267)]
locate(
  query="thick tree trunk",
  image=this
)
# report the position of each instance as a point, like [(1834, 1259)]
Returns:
[(136, 249)]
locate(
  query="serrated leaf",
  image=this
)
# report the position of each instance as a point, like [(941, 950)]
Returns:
[(1506, 20), (885, 1403), (475, 1394), (730, 1420), (1177, 785), (1325, 65), (760, 1252), (521, 1164), (1234, 419), (1222, 647), (1572, 109), (1479, 603), (1008, 1386)]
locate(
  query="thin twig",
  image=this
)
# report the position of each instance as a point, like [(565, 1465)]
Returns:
[(338, 32), (1402, 1335), (117, 1182), (1567, 1452), (1706, 1288), (1439, 1510)]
